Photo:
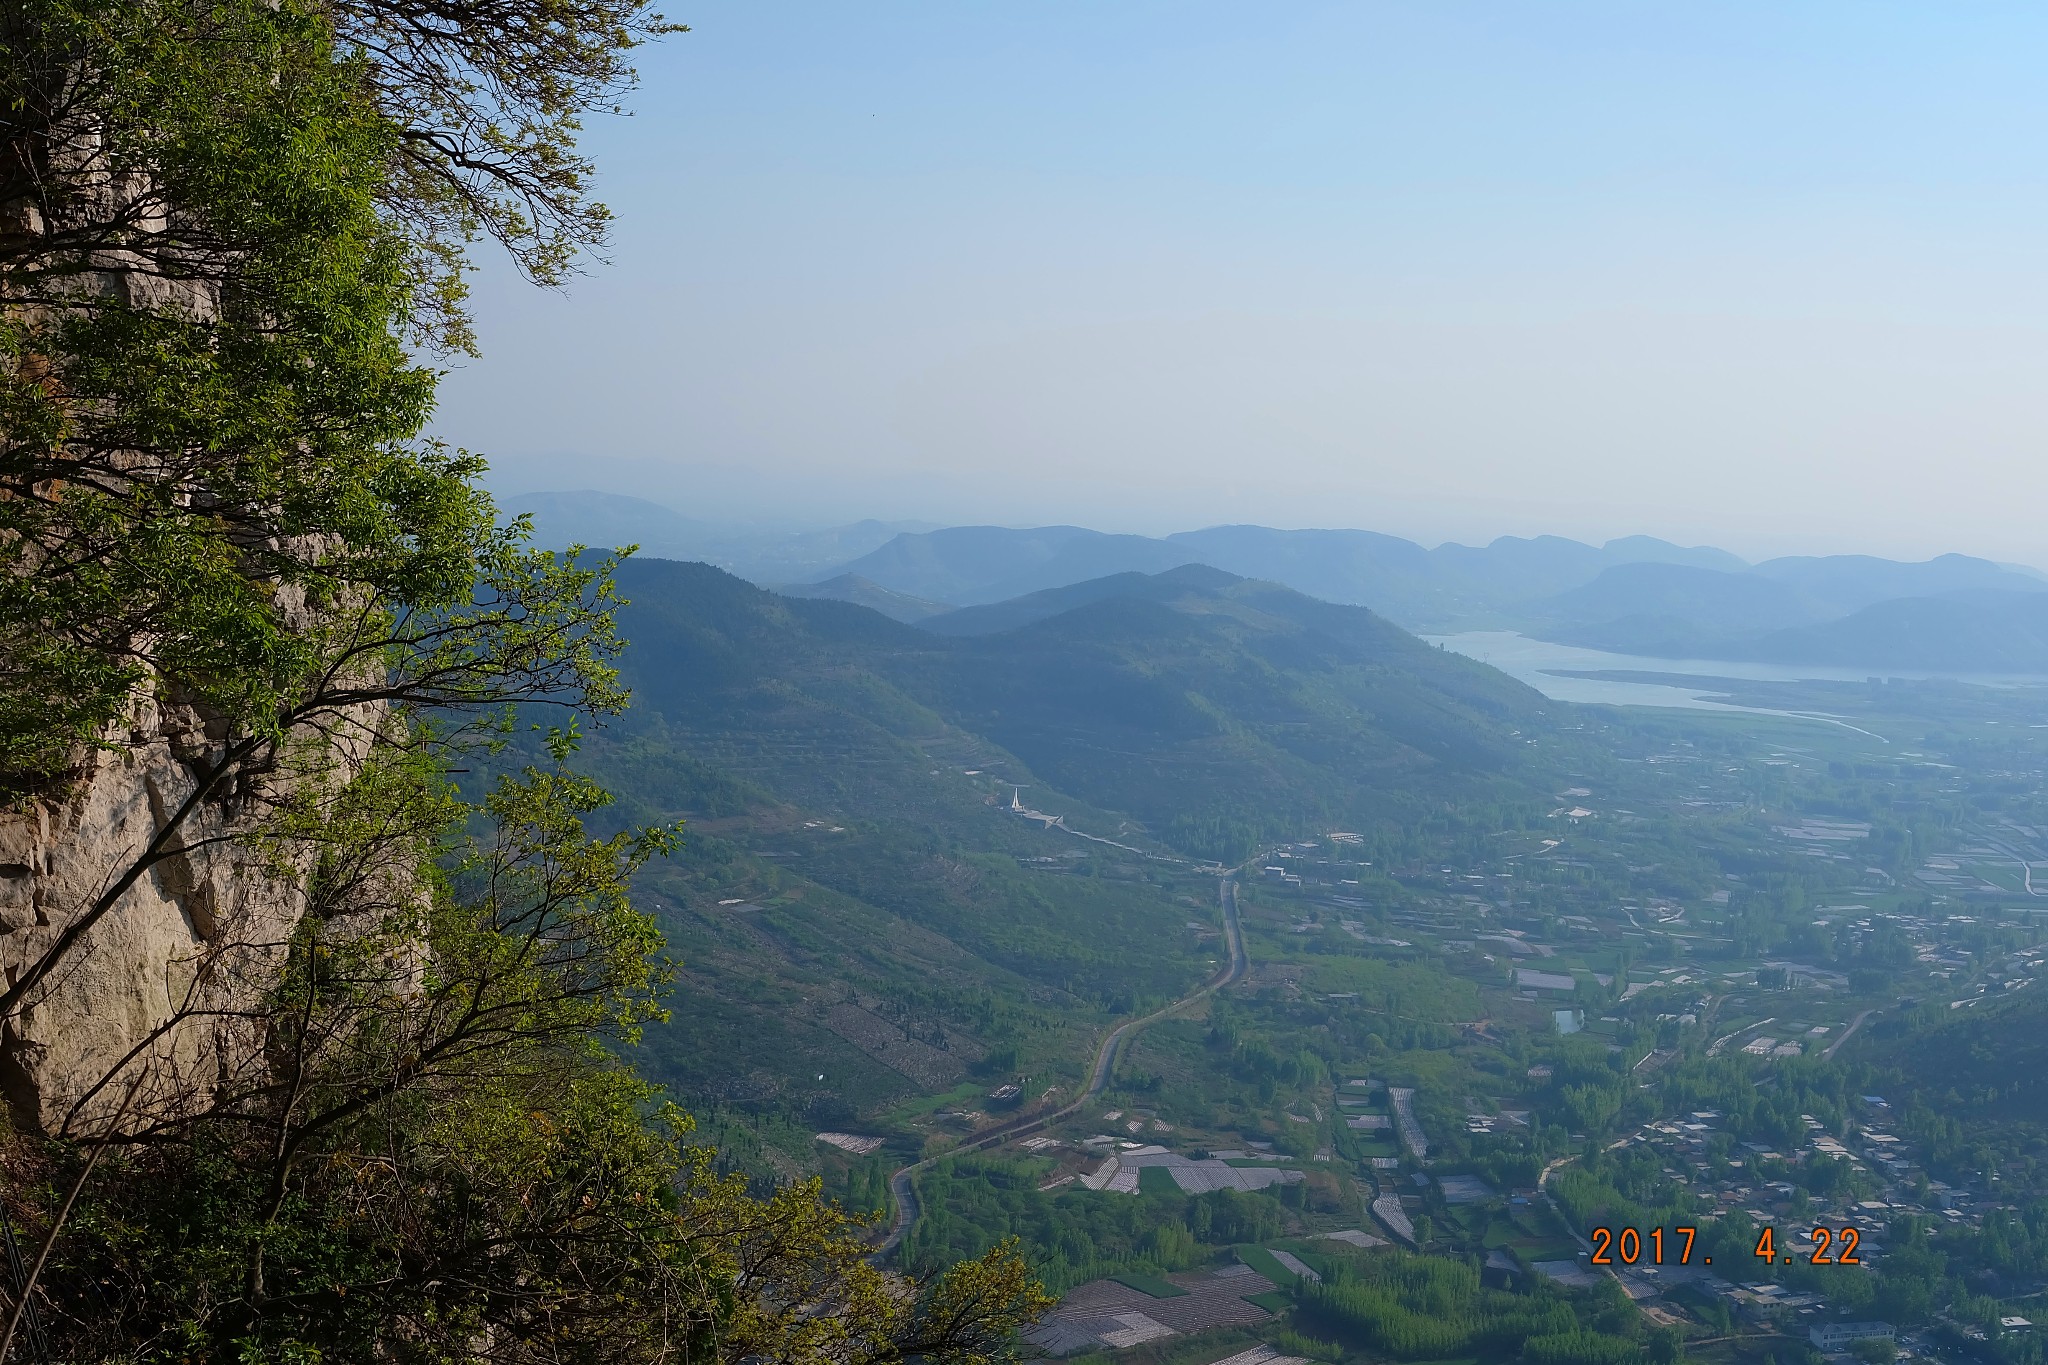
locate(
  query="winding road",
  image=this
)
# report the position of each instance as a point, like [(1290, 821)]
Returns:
[(1847, 1034), (1106, 1054), (2026, 867)]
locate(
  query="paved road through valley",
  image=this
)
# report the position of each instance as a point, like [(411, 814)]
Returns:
[(1106, 1054), (1847, 1034)]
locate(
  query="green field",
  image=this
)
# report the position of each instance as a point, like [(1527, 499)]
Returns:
[(1150, 1284)]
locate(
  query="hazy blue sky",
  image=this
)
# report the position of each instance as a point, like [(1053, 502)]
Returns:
[(1773, 276)]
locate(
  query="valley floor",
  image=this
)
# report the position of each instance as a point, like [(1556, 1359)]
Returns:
[(1546, 1033)]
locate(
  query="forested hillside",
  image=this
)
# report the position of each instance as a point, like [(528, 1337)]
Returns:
[(316, 1039), (1987, 1064), (862, 915), (1218, 712)]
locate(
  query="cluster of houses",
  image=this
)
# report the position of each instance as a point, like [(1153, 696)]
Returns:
[(1730, 1175)]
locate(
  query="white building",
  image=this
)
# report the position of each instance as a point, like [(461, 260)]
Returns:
[(1837, 1336)]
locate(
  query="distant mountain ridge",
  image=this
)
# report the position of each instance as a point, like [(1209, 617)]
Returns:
[(1969, 632), (1953, 613), (1038, 606), (1848, 583), (1635, 595), (1638, 596), (1417, 587), (847, 587), (1709, 598), (976, 565)]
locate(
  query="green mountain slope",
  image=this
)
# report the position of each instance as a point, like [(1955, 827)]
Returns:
[(1225, 715), (1966, 1083), (995, 617), (1189, 701), (847, 587), (862, 916), (860, 922), (982, 564)]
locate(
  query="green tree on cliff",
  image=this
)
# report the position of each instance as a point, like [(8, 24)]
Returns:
[(228, 230)]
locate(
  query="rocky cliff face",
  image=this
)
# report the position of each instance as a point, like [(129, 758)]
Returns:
[(145, 1013), (139, 1003)]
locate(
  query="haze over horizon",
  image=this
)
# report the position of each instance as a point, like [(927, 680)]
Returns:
[(1763, 279), (770, 522)]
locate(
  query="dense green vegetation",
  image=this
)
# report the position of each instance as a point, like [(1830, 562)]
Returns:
[(1558, 991), (848, 782), (1396, 956), (871, 896), (1983, 1065), (368, 1095), (1076, 1235), (1431, 1308), (1221, 716)]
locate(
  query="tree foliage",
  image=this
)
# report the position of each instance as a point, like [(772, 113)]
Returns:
[(1424, 1308), (435, 1159), (223, 219), (226, 229)]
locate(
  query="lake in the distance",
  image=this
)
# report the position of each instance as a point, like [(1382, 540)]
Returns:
[(1538, 663)]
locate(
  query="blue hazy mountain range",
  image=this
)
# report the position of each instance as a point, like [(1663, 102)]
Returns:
[(1420, 588), (1637, 595), (760, 554)]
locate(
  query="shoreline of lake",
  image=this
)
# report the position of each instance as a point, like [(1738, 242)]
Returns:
[(1576, 674)]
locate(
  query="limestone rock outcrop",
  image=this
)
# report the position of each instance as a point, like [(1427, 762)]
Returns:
[(142, 1002)]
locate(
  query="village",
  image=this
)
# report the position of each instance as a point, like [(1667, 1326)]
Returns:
[(1516, 1009)]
